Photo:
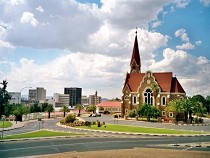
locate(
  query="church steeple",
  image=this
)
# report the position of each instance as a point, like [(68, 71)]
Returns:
[(135, 64)]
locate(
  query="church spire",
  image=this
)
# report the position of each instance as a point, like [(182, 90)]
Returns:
[(135, 64)]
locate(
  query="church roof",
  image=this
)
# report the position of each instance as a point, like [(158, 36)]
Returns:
[(135, 53), (165, 80)]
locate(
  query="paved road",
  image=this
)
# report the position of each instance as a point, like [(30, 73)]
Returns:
[(50, 146), (51, 124)]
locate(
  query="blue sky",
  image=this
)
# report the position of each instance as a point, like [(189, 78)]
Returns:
[(88, 43)]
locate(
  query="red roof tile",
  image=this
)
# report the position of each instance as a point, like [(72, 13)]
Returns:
[(176, 86), (165, 80), (110, 104)]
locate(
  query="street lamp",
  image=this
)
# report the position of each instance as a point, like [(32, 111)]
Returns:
[(20, 93)]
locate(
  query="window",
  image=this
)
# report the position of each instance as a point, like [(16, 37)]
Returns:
[(126, 97), (148, 97), (126, 111), (163, 113), (134, 99), (171, 114), (163, 100)]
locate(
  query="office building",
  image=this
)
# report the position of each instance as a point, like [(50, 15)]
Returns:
[(75, 96), (38, 94)]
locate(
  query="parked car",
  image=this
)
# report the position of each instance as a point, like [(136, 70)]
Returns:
[(95, 115)]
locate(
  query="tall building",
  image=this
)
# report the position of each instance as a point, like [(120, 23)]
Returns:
[(94, 99), (38, 94), (60, 100), (75, 96), (154, 88), (15, 97)]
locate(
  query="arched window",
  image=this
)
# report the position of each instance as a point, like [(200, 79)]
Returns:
[(163, 100), (148, 97)]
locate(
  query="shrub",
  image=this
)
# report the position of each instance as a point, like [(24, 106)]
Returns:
[(62, 122), (132, 113), (70, 118), (87, 123), (93, 123), (78, 123)]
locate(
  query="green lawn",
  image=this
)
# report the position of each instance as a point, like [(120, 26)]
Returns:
[(122, 128), (41, 133), (6, 124)]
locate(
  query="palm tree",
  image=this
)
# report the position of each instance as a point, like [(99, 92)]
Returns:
[(155, 89), (79, 107), (65, 109), (91, 108), (176, 106), (49, 109)]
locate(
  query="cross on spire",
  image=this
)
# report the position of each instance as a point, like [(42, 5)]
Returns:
[(136, 30)]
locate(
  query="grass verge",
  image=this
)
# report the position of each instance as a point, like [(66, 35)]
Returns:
[(41, 133), (135, 129), (6, 124)]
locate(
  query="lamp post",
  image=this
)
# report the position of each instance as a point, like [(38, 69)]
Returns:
[(20, 94)]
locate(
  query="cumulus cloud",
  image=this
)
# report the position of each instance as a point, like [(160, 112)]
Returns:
[(182, 34), (28, 17), (89, 71), (193, 72), (205, 2), (184, 37), (185, 46)]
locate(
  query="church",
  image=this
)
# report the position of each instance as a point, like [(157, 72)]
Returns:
[(154, 88)]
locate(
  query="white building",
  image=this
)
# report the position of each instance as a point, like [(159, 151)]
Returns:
[(38, 94), (15, 97), (60, 100)]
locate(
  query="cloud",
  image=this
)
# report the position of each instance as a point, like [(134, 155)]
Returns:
[(156, 24), (182, 34), (40, 9), (28, 17), (205, 2), (89, 71), (128, 14), (184, 37), (182, 3), (5, 44), (193, 72), (185, 46)]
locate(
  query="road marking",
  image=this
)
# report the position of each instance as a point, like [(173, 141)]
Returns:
[(188, 148)]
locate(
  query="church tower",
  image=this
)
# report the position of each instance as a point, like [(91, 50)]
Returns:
[(135, 64)]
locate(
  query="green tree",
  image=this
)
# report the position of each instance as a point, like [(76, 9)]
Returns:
[(65, 109), (208, 104), (49, 109), (35, 108), (155, 89), (19, 111), (91, 108), (79, 107), (198, 109), (4, 98), (43, 106), (148, 111), (132, 113), (8, 110), (176, 106)]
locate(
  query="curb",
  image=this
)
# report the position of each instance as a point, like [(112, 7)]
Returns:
[(136, 134)]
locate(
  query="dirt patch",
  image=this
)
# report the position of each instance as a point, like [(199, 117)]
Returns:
[(133, 153)]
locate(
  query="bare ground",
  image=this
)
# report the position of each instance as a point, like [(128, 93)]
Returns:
[(133, 153)]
